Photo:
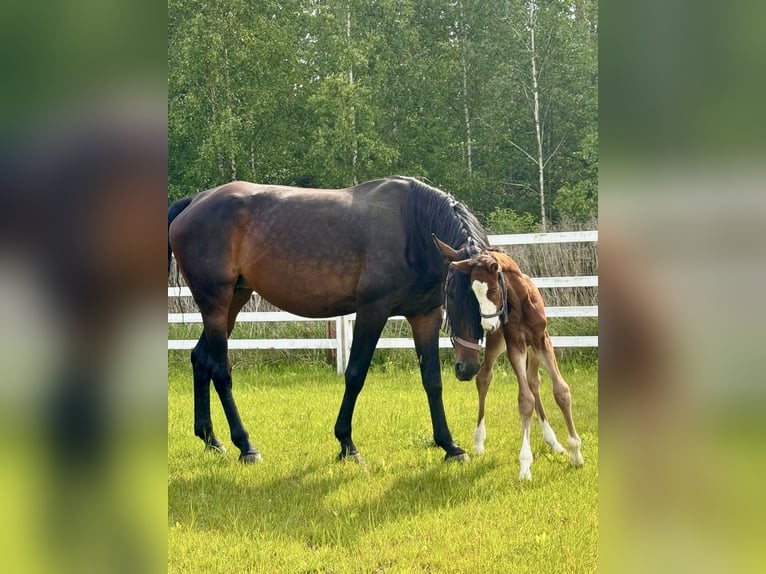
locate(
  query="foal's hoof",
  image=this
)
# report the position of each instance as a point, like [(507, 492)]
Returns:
[(525, 474), (459, 457), (250, 458), (576, 459)]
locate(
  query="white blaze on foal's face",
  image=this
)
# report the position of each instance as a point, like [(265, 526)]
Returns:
[(487, 307)]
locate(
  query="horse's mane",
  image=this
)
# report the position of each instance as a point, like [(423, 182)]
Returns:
[(430, 211)]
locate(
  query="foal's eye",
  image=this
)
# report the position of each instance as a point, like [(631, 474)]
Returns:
[(492, 290)]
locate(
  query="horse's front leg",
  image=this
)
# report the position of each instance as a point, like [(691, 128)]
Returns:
[(425, 332), (367, 330), (495, 346)]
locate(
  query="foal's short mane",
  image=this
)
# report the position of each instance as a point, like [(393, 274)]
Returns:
[(431, 211)]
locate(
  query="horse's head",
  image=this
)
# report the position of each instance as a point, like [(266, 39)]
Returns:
[(475, 301)]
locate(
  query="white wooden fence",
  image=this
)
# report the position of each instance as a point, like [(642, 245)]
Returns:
[(341, 343)]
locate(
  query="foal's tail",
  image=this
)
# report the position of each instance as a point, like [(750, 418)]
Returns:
[(174, 211)]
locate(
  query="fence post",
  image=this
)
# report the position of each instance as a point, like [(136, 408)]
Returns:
[(343, 335), (339, 345), (347, 333)]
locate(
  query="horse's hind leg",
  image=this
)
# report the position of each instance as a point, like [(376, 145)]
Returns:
[(203, 425), (495, 346), (563, 398), (216, 313), (533, 378)]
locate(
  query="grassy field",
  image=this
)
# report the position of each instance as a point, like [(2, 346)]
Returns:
[(404, 510)]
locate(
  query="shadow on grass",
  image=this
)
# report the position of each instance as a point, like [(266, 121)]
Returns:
[(317, 505)]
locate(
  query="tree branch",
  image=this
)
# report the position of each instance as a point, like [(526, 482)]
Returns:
[(554, 151), (522, 150)]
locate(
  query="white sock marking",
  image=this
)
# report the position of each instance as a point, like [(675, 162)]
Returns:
[(525, 458), (550, 437), (575, 456), (479, 436)]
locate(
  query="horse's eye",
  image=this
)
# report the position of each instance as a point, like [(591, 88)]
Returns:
[(492, 290)]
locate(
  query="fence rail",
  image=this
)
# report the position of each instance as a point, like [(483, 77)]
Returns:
[(341, 343)]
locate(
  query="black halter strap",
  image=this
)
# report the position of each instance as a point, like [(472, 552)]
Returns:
[(503, 311)]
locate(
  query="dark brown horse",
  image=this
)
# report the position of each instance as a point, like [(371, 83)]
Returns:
[(512, 314), (319, 253)]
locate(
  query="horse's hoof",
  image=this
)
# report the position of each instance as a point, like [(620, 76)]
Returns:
[(525, 474), (351, 456), (250, 458), (576, 459), (216, 448), (558, 449), (460, 457)]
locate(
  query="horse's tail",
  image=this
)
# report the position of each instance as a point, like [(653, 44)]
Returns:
[(174, 211)]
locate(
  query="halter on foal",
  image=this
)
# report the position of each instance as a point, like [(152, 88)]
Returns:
[(513, 317)]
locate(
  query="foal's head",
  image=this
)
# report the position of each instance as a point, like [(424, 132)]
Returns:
[(488, 286), (475, 301)]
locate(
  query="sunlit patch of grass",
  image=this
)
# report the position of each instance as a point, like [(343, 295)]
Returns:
[(404, 510)]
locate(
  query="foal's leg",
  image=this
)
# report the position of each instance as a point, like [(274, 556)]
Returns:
[(563, 399), (425, 332), (517, 354), (367, 330), (533, 378), (495, 347)]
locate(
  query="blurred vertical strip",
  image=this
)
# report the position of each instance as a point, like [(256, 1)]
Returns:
[(83, 194), (682, 212)]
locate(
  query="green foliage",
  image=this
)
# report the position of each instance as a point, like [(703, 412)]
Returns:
[(403, 511), (315, 93), (506, 220), (578, 204)]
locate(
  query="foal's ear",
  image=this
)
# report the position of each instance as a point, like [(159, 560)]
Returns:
[(493, 267), (463, 266), (447, 251)]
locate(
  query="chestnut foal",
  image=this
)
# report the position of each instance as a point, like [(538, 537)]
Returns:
[(513, 317)]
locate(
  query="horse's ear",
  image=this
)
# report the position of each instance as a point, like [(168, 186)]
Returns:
[(493, 267), (447, 251), (463, 266)]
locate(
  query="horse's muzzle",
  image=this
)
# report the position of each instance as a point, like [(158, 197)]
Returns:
[(466, 370)]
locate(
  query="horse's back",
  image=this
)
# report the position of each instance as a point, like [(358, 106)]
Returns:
[(308, 251)]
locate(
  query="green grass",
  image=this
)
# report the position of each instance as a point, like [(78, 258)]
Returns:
[(404, 510)]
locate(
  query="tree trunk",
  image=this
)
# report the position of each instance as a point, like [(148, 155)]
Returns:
[(466, 110), (354, 139), (538, 127)]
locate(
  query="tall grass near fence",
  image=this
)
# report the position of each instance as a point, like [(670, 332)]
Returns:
[(404, 510), (563, 260)]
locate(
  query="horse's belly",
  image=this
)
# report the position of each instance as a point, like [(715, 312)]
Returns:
[(310, 290)]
